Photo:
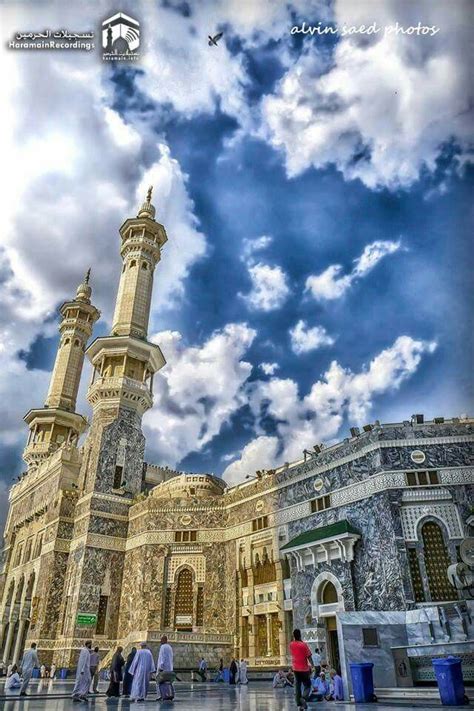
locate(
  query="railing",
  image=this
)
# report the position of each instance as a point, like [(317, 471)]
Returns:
[(118, 382)]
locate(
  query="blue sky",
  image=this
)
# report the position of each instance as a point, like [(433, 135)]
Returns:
[(317, 198)]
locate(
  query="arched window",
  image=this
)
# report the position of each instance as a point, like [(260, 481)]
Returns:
[(436, 562), (133, 263), (183, 606), (144, 265), (67, 341), (328, 593)]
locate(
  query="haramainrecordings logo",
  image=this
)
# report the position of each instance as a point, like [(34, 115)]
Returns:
[(52, 39), (120, 38)]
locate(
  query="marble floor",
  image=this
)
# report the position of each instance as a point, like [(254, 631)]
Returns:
[(193, 696)]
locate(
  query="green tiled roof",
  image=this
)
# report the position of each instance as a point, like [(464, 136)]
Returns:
[(321, 533)]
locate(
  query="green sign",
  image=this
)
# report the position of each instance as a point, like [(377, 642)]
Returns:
[(84, 619)]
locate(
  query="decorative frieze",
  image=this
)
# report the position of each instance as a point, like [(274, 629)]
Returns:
[(447, 513)]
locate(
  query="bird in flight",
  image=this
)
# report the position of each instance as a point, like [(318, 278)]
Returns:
[(214, 40)]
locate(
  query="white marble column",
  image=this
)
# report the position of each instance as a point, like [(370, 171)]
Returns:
[(19, 639), (269, 634), (8, 643)]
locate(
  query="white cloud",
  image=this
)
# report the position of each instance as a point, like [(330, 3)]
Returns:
[(261, 453), (304, 339), (75, 173), (197, 392), (318, 416), (386, 105), (332, 283), (269, 368), (250, 246), (269, 287), (183, 71)]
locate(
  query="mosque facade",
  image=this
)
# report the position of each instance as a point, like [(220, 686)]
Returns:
[(351, 544)]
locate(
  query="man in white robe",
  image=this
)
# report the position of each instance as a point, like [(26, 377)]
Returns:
[(141, 668), (29, 662), (243, 679), (164, 667), (83, 673)]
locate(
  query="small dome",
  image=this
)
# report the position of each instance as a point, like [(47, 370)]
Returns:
[(147, 209), (84, 290)]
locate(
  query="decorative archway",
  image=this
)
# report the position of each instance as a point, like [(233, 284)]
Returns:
[(429, 557), (326, 584), (436, 562), (184, 598)]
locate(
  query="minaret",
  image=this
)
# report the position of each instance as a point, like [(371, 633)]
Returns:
[(58, 423), (124, 363), (112, 471)]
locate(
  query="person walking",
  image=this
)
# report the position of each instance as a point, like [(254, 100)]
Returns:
[(202, 670), (127, 677), (243, 678), (116, 667), (142, 667), (166, 675), (316, 661), (52, 671), (300, 656), (29, 662), (233, 669), (94, 666), (83, 673)]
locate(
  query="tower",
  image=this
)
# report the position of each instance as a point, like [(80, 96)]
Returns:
[(112, 470), (124, 363), (57, 423)]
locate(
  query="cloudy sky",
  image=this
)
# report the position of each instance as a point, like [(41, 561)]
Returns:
[(315, 191)]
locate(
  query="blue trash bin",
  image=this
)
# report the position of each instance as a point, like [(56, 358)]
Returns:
[(362, 682), (35, 673), (226, 675), (448, 674), (63, 673)]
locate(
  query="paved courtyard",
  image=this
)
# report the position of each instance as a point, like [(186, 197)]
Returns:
[(259, 696)]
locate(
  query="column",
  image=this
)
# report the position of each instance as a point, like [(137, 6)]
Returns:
[(269, 634), (19, 639), (281, 612), (8, 643), (252, 620)]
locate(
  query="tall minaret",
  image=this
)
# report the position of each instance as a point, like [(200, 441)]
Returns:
[(112, 469), (124, 363), (58, 423)]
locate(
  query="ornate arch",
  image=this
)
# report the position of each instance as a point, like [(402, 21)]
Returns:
[(316, 588), (183, 566), (434, 518)]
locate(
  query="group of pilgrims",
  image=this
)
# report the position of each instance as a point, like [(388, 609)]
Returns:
[(133, 673)]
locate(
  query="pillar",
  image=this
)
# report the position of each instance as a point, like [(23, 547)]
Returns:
[(8, 642), (251, 619), (19, 639), (269, 634)]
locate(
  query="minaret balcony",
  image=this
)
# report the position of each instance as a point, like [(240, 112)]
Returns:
[(121, 391), (37, 451)]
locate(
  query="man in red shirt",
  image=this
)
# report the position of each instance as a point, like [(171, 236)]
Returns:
[(300, 656)]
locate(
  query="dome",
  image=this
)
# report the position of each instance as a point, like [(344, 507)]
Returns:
[(84, 290), (147, 209), (194, 486)]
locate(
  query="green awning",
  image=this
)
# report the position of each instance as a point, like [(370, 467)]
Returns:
[(321, 533)]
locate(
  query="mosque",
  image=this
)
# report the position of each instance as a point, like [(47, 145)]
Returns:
[(351, 544)]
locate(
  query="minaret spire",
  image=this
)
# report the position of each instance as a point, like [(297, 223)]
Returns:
[(57, 422), (124, 363)]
